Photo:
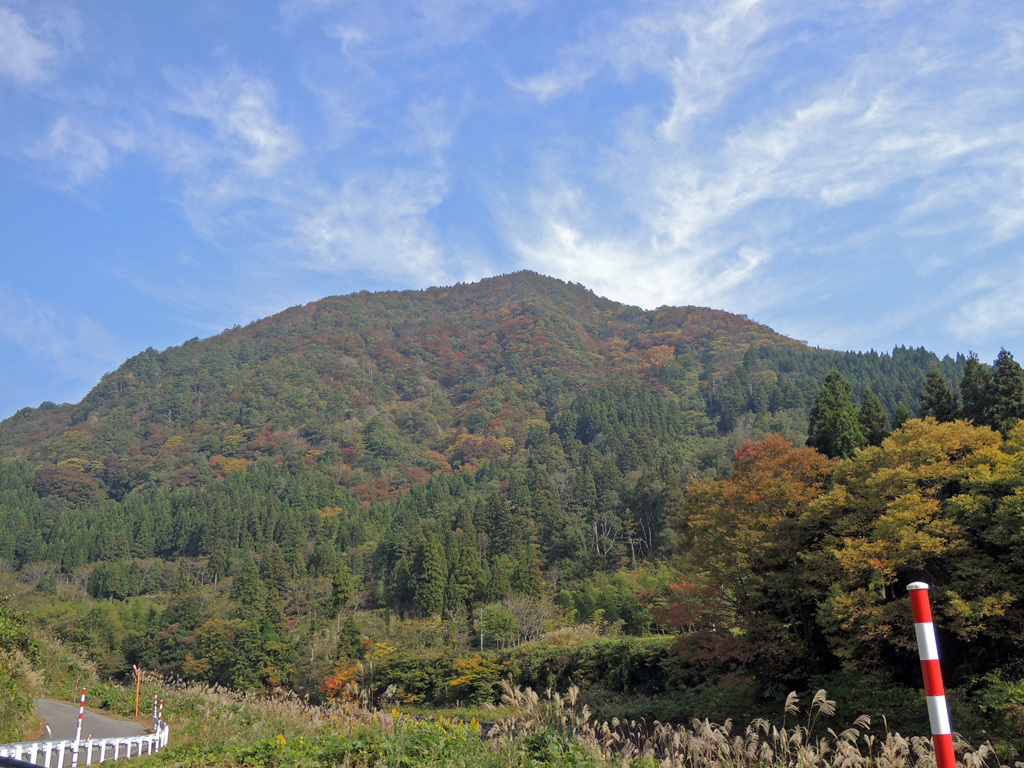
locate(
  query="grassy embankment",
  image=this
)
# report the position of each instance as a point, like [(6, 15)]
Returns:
[(215, 727)]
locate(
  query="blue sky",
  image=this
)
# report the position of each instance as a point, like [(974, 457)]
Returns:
[(850, 173)]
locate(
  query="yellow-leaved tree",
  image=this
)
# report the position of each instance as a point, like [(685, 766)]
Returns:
[(936, 502)]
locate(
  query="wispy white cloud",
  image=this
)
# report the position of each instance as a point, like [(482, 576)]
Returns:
[(451, 22), (31, 50), (74, 345), (411, 26), (701, 53), (779, 124), (23, 55), (990, 304), (376, 223), (76, 155), (241, 111), (253, 186)]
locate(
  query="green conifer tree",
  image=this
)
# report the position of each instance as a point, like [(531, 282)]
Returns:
[(528, 578), (341, 589), (465, 580), (248, 655), (399, 585), (834, 426), (273, 567), (183, 609), (937, 399), (218, 562), (975, 390), (431, 574), (873, 419), (272, 625), (499, 578), (248, 591), (1006, 404), (901, 416), (324, 559), (350, 640)]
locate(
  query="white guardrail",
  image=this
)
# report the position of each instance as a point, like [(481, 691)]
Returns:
[(58, 754)]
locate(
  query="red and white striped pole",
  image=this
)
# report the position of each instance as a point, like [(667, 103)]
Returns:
[(160, 719), (935, 693), (78, 732), (156, 697)]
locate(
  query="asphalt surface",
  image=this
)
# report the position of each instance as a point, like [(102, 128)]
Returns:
[(63, 721)]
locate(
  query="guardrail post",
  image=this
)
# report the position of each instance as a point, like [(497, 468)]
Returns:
[(935, 693)]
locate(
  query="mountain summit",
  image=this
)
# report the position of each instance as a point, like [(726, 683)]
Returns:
[(390, 387)]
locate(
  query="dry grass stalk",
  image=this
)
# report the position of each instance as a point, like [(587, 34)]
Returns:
[(703, 744)]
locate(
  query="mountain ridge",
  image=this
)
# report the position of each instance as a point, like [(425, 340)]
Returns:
[(421, 369)]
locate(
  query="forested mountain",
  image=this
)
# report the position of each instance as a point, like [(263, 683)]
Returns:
[(262, 433), (386, 388), (515, 454)]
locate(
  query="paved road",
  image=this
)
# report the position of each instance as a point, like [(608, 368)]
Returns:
[(63, 721)]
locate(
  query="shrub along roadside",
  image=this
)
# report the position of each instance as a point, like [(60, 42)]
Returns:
[(647, 666), (647, 679), (19, 654)]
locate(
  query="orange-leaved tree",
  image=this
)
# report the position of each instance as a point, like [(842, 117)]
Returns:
[(747, 536)]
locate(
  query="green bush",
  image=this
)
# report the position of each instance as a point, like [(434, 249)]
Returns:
[(18, 650), (627, 666), (417, 678), (993, 708)]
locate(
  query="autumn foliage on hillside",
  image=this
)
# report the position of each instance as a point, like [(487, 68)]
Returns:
[(520, 455), (394, 385)]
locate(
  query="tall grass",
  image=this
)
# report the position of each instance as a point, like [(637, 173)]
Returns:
[(802, 740), (212, 726)]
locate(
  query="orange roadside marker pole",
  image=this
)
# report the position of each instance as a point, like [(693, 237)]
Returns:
[(138, 687)]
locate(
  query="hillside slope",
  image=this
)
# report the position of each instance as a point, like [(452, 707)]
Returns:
[(393, 386)]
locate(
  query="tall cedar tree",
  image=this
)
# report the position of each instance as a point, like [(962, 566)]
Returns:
[(247, 590), (873, 419), (1006, 404), (901, 416), (183, 609), (273, 567), (218, 561), (341, 589), (430, 572), (350, 640), (834, 426), (975, 391), (937, 399)]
